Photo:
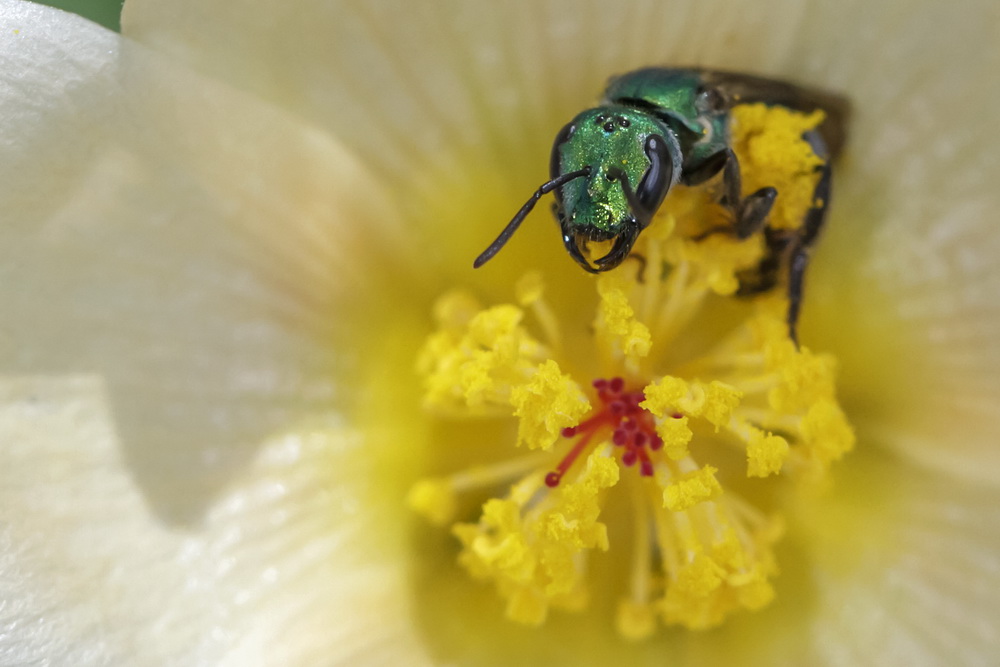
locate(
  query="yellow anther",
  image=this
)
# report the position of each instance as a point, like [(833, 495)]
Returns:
[(454, 310), (616, 318), (766, 453), (477, 358), (635, 620), (714, 401), (720, 401), (434, 499), (533, 559), (663, 397), (547, 404), (676, 435), (690, 489), (826, 432), (529, 288)]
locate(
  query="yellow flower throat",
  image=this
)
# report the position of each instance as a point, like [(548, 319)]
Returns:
[(689, 427)]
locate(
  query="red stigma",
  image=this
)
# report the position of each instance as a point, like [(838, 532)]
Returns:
[(619, 418)]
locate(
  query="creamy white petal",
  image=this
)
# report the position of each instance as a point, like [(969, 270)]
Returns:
[(905, 569), (906, 284), (407, 82), (459, 101), (283, 569), (202, 252), (183, 270)]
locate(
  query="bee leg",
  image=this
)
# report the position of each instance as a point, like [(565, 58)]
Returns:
[(750, 212), (696, 174), (801, 246), (767, 274)]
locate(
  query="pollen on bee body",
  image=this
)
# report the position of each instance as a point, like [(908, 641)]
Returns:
[(618, 418)]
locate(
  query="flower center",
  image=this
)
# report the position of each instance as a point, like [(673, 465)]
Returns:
[(631, 427), (686, 390)]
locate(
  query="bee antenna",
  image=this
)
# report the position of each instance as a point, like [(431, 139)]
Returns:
[(516, 221)]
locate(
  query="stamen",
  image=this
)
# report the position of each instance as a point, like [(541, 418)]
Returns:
[(652, 285), (530, 291), (435, 498), (680, 306), (636, 617)]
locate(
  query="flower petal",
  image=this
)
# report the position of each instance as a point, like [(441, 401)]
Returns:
[(404, 83), (284, 568), (916, 582), (905, 286), (198, 250)]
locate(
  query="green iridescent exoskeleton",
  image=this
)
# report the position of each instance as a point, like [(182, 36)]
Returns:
[(613, 165), (611, 144)]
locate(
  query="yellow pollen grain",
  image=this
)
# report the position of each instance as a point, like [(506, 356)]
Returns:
[(714, 401), (532, 557), (663, 396), (718, 576), (721, 258), (476, 357), (768, 141), (720, 401), (805, 379), (546, 405), (616, 318), (827, 431), (766, 453), (693, 488), (676, 434)]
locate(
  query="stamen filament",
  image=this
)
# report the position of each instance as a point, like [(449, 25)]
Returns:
[(531, 294), (683, 304), (652, 285), (767, 419), (482, 476), (642, 553), (677, 290), (665, 534), (750, 385)]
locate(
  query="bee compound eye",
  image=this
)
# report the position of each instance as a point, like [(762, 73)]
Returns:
[(555, 161), (658, 177)]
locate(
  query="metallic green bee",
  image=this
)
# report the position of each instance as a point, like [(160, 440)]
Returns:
[(613, 165)]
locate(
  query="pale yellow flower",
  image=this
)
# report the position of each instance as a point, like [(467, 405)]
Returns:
[(223, 236)]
